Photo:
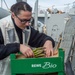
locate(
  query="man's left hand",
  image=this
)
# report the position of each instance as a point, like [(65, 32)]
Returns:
[(48, 48)]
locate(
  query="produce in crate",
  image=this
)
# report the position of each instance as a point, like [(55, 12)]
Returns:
[(38, 52)]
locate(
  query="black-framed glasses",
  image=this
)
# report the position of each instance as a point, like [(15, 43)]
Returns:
[(25, 20)]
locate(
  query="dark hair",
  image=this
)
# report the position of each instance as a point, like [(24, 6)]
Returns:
[(16, 8)]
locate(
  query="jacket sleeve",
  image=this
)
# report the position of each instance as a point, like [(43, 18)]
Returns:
[(38, 39), (6, 50)]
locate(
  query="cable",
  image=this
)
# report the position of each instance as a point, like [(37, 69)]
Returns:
[(6, 4)]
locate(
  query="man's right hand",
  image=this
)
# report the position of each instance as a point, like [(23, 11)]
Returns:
[(26, 51)]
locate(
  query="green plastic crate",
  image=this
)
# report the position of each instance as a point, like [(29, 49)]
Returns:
[(38, 65)]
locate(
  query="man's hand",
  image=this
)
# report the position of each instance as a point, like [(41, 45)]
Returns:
[(26, 51), (49, 48)]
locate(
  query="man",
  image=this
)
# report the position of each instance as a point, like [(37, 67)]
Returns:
[(16, 33)]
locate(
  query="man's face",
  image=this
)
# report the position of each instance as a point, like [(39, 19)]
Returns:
[(23, 19)]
